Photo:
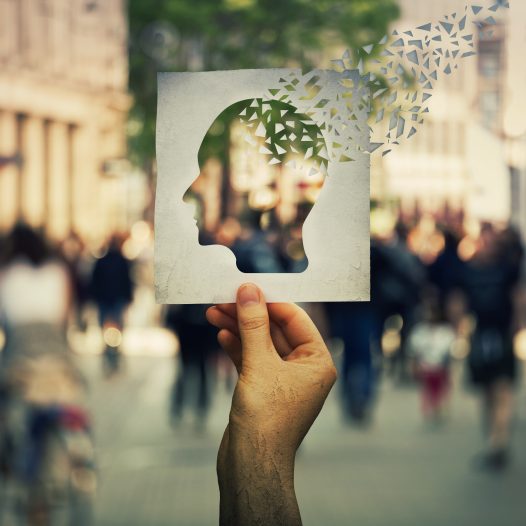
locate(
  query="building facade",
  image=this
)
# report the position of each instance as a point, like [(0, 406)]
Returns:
[(460, 157), (63, 106)]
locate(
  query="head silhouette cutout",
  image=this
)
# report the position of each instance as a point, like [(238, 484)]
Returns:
[(261, 168)]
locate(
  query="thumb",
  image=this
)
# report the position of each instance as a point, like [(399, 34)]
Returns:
[(253, 321)]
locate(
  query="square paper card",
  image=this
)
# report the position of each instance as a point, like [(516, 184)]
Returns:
[(263, 176)]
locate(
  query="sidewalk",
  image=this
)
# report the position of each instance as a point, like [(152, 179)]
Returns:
[(397, 473)]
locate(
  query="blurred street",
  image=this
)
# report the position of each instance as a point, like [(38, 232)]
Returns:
[(398, 471)]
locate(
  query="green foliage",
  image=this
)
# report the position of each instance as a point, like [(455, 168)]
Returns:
[(186, 35), (296, 132)]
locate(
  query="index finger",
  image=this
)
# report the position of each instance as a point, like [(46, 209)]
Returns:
[(296, 324)]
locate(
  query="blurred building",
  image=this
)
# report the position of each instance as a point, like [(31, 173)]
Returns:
[(63, 105), (461, 159), (515, 114)]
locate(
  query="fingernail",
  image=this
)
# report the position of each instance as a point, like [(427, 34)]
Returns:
[(248, 294)]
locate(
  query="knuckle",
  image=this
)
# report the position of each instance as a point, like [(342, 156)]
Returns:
[(254, 323)]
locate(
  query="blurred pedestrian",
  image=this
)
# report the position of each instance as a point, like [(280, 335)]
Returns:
[(45, 437), (80, 269), (489, 281), (445, 272), (112, 291), (35, 294), (352, 323), (111, 284), (430, 344), (397, 277), (197, 344)]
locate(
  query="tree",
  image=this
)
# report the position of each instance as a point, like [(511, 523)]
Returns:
[(186, 35)]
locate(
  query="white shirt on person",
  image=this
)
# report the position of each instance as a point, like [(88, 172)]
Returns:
[(431, 344), (34, 294)]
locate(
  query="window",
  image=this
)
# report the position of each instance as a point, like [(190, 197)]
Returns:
[(489, 108), (489, 63)]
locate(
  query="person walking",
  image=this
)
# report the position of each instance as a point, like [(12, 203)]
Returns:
[(489, 282), (197, 344), (112, 291), (430, 343), (45, 439), (352, 324), (111, 284)]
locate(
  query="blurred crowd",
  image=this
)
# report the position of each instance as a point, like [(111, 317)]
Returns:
[(443, 292), (47, 454), (440, 292)]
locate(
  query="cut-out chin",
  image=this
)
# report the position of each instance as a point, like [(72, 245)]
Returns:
[(296, 268), (273, 263)]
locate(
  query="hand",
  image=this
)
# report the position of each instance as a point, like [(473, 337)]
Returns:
[(285, 370), (285, 374)]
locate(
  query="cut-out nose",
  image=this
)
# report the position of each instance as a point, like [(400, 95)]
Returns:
[(187, 196)]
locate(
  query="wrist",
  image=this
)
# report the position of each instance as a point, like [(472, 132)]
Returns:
[(254, 442), (256, 481), (254, 449)]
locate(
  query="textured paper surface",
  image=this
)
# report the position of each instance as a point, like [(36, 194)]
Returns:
[(335, 235)]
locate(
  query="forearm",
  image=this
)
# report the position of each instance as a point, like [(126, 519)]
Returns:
[(285, 375), (256, 482)]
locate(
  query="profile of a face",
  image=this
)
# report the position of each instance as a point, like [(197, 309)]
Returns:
[(262, 166)]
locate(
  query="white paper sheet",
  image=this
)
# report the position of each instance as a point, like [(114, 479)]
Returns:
[(335, 234)]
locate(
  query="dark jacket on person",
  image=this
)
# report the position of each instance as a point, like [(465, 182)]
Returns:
[(111, 281)]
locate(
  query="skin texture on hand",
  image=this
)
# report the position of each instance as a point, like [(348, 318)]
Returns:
[(285, 374)]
